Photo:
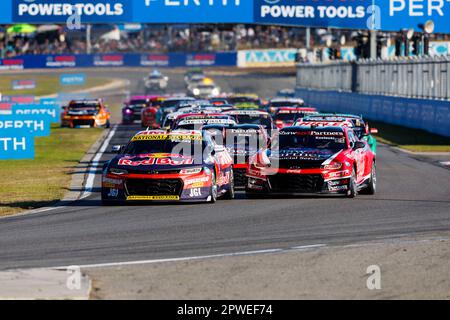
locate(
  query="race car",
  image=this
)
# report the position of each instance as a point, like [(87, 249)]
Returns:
[(242, 142), (313, 160), (277, 103), (166, 166), (133, 108), (170, 105), (155, 82), (360, 127), (245, 101), (287, 116), (85, 113), (204, 89), (193, 74), (286, 93), (257, 117), (195, 121), (218, 101)]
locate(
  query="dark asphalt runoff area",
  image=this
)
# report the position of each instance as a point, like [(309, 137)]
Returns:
[(413, 198)]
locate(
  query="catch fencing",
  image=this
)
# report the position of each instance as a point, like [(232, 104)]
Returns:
[(409, 92), (422, 78)]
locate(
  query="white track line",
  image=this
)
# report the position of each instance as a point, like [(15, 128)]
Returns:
[(89, 182), (95, 164), (234, 254)]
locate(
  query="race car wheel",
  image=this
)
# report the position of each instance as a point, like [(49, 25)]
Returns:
[(352, 186), (230, 195), (214, 190), (372, 185), (108, 124)]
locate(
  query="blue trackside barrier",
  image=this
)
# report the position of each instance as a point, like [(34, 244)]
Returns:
[(429, 115), (214, 59)]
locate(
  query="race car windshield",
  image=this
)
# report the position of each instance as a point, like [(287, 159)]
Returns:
[(288, 116), (138, 102), (263, 120), (285, 104), (197, 125), (173, 103), (163, 146), (334, 142), (242, 100), (83, 106)]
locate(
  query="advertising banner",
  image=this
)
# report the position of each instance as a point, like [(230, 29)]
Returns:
[(46, 11), (36, 125), (23, 84), (16, 145), (51, 111), (72, 79), (388, 15), (125, 60), (266, 58)]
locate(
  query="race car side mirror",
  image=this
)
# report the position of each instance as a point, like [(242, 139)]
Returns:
[(359, 145), (373, 131)]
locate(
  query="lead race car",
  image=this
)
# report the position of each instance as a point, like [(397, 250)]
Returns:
[(313, 160), (166, 166)]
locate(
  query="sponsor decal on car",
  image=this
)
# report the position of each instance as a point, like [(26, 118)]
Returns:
[(113, 193), (155, 161), (153, 198), (195, 193), (173, 137), (196, 181)]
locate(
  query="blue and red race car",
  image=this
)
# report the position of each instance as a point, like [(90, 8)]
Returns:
[(313, 160), (168, 166)]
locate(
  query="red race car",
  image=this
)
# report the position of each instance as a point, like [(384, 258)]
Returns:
[(287, 116), (313, 160)]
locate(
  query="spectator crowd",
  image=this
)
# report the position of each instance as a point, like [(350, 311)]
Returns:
[(151, 39)]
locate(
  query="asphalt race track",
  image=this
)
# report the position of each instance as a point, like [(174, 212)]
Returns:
[(413, 198)]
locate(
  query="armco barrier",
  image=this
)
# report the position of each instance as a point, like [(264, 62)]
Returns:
[(216, 59), (429, 115)]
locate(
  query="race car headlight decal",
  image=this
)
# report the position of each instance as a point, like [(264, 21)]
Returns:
[(196, 91), (191, 171), (215, 92), (333, 166), (118, 172)]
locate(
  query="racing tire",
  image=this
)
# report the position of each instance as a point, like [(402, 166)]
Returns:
[(352, 186), (371, 189), (108, 124), (231, 194), (214, 191)]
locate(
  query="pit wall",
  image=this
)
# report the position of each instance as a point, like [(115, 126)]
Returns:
[(430, 115)]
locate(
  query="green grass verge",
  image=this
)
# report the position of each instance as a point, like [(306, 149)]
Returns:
[(30, 184), (46, 84), (410, 139)]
